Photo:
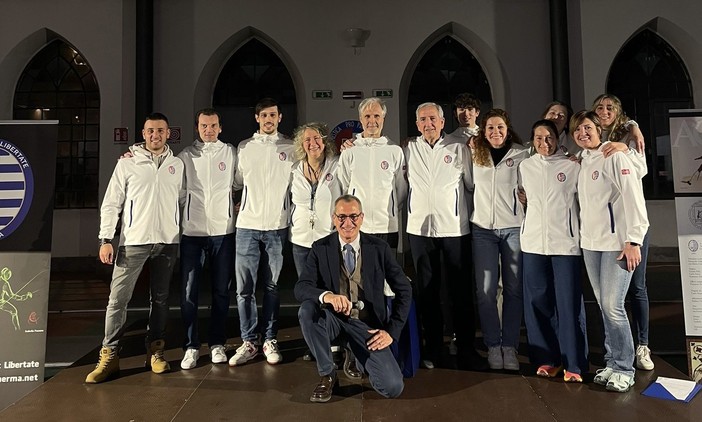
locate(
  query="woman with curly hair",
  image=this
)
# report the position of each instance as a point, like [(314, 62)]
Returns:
[(496, 219), (314, 188)]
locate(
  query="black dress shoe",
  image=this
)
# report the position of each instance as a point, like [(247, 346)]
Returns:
[(350, 368), (323, 391)]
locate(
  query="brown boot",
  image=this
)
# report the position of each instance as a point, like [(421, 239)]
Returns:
[(159, 364), (107, 367)]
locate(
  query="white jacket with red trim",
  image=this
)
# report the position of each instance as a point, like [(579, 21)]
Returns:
[(147, 196), (612, 205)]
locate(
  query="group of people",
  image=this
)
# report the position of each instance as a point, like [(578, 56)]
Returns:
[(157, 194), (584, 200), (524, 215)]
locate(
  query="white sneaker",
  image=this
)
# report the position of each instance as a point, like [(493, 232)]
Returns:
[(190, 359), (511, 363), (271, 351), (217, 353), (427, 364), (244, 353), (643, 358), (621, 383), (603, 375), (495, 358)]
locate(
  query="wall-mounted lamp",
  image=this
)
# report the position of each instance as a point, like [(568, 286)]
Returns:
[(356, 38)]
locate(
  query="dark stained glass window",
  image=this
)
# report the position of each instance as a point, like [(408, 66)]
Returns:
[(58, 84)]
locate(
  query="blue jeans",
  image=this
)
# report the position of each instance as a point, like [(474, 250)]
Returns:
[(300, 257), (610, 281), (494, 250), (129, 261), (554, 312), (638, 296), (220, 252), (256, 248)]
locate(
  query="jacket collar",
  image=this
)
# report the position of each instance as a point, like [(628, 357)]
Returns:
[(272, 139), (139, 151), (208, 146), (333, 256), (360, 140)]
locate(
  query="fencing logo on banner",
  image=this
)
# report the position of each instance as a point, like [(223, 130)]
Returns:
[(16, 187), (695, 214)]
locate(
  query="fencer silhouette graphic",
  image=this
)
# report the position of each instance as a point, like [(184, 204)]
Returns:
[(8, 296)]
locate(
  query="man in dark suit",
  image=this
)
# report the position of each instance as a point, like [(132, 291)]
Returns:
[(343, 271)]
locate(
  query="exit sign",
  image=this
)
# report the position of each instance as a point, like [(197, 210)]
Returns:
[(322, 95), (382, 93)]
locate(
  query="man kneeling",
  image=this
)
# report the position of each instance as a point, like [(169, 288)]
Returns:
[(341, 291)]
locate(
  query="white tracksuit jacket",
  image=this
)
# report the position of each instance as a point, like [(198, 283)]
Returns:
[(439, 177), (263, 171), (551, 225), (637, 159), (208, 206), (147, 196), (373, 171), (464, 133), (311, 215), (612, 205), (495, 203)]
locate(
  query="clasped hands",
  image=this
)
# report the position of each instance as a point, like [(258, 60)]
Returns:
[(379, 340)]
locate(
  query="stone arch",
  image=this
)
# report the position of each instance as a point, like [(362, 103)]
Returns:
[(205, 86), (485, 55), (651, 75)]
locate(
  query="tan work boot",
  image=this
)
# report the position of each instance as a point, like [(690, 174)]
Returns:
[(107, 367), (159, 364)]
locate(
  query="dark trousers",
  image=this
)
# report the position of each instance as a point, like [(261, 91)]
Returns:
[(321, 326), (638, 296), (220, 252), (554, 311), (391, 238), (300, 257), (426, 253)]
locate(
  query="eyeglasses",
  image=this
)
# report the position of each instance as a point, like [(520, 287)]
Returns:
[(343, 217), (316, 139)]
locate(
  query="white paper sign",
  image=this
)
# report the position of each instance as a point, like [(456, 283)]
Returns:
[(689, 217)]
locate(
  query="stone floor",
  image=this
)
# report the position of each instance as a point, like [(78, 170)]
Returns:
[(258, 390)]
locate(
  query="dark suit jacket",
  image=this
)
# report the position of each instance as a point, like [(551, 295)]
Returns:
[(322, 271)]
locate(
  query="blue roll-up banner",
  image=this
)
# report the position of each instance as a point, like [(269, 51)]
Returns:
[(27, 179)]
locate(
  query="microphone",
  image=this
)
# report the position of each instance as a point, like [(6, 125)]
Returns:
[(354, 305)]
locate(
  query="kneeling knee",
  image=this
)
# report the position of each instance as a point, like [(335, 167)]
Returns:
[(394, 388), (308, 311)]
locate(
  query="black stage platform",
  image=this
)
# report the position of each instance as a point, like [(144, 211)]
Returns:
[(258, 391)]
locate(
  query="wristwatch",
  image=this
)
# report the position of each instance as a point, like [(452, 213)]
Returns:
[(634, 244), (105, 242)]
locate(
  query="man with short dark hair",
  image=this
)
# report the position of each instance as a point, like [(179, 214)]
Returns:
[(467, 109), (344, 270), (208, 233), (264, 174), (144, 189)]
